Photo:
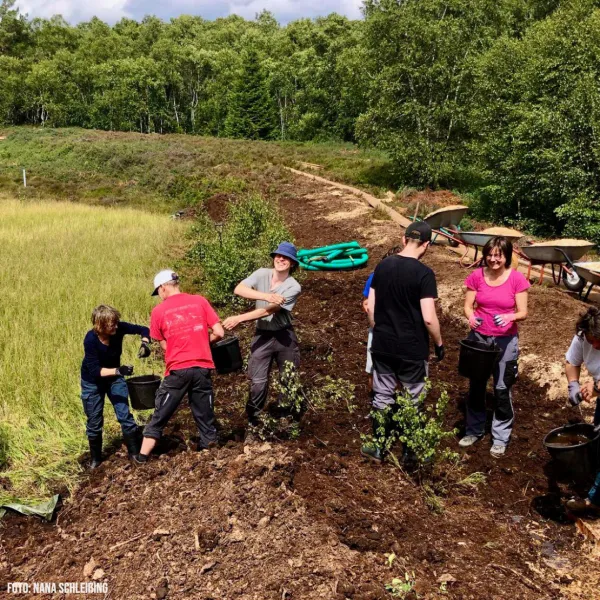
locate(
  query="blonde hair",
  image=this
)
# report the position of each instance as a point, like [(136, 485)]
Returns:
[(104, 318)]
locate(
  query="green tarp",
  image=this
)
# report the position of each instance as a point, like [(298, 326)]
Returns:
[(45, 510)]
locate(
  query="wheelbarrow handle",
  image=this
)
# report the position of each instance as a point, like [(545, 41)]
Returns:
[(567, 259)]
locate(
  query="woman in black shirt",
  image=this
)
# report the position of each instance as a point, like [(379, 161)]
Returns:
[(102, 375)]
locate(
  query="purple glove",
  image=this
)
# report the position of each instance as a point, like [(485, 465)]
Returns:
[(574, 393), (504, 320)]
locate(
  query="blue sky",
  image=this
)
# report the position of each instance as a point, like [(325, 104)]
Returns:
[(111, 11)]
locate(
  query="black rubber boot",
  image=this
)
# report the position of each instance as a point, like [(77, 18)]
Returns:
[(133, 443), (95, 451), (371, 450)]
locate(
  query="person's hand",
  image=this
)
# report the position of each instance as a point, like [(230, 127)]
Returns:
[(574, 393), (145, 350), (504, 320), (365, 305), (439, 352), (231, 323), (125, 370), (274, 299), (587, 391), (475, 322)]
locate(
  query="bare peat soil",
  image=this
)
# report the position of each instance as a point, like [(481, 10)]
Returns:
[(310, 518)]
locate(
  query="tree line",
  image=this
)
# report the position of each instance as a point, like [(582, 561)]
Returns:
[(497, 98)]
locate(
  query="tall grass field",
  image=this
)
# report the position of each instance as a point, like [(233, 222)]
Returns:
[(58, 261)]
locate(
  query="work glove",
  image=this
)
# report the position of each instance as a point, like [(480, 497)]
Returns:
[(125, 370), (145, 350), (475, 322), (504, 320), (574, 393), (439, 352)]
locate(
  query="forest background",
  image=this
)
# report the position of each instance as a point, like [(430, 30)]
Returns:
[(497, 99)]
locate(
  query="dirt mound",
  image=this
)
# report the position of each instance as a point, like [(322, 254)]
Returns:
[(310, 518), (502, 231), (216, 207), (564, 242)]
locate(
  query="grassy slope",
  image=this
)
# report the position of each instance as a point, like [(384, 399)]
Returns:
[(60, 260), (164, 173)]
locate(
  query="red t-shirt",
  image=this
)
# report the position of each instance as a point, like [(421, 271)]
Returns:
[(182, 321)]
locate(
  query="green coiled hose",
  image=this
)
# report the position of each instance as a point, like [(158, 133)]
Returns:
[(336, 257)]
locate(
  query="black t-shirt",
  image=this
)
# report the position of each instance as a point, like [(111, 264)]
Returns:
[(400, 283)]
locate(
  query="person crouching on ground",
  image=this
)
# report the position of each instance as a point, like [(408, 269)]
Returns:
[(495, 301), (585, 350), (103, 375), (402, 313), (185, 325), (275, 292)]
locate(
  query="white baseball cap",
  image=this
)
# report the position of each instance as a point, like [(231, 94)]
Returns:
[(164, 277)]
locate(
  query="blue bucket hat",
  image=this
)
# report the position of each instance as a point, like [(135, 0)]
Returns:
[(288, 250)]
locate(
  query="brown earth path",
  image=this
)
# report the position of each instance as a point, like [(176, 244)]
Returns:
[(310, 518)]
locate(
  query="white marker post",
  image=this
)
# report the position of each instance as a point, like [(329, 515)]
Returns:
[(24, 178)]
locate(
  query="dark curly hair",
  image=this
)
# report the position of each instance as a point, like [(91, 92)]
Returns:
[(589, 322)]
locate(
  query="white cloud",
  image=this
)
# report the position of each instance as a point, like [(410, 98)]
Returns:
[(288, 10), (75, 11), (111, 11)]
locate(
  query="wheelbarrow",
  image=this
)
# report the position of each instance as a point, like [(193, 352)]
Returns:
[(478, 239), (563, 255), (444, 222), (589, 272)]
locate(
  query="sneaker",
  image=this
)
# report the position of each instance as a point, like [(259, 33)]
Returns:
[(582, 505), (497, 451), (469, 440), (251, 437), (140, 459), (372, 452)]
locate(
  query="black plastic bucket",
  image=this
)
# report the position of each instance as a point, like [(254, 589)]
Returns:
[(574, 449), (477, 359), (142, 391), (227, 355)]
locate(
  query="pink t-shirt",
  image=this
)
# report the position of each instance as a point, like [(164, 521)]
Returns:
[(182, 321), (499, 300)]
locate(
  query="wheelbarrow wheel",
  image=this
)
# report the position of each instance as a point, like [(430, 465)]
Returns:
[(573, 281), (452, 243)]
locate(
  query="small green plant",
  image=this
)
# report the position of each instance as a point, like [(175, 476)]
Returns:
[(400, 588), (419, 426), (473, 481), (295, 399)]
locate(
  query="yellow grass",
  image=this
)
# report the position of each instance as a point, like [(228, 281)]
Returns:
[(58, 261)]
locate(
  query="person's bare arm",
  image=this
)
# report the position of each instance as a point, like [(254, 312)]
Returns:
[(469, 307), (244, 291), (217, 333), (521, 302), (573, 372), (163, 345), (431, 320), (258, 313), (371, 308)]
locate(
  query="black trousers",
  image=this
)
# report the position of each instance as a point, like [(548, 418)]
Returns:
[(196, 382)]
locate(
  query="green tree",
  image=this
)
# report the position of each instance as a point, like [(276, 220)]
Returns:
[(251, 113)]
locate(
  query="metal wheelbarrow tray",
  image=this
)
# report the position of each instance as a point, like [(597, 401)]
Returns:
[(590, 272), (475, 238), (547, 253), (449, 216)]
